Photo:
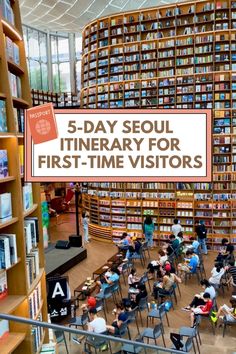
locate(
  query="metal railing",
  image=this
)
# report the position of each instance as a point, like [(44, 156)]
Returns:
[(108, 338)]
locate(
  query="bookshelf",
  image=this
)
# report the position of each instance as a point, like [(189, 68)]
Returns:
[(24, 275), (115, 208), (173, 56), (59, 100)]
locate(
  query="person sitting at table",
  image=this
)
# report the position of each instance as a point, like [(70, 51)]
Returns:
[(161, 289), (133, 280), (133, 248), (155, 265), (172, 245), (194, 246), (108, 279), (120, 317), (124, 242), (190, 264), (91, 303), (135, 298)]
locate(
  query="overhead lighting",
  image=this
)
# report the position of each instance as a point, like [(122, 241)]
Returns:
[(12, 29)]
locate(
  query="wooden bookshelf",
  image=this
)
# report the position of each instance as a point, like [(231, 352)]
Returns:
[(115, 208), (173, 56), (20, 338)]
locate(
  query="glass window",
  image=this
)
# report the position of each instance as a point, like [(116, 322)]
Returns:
[(43, 47), (35, 75), (54, 49), (78, 75), (33, 44), (63, 49), (55, 76), (44, 71), (78, 47), (64, 70)]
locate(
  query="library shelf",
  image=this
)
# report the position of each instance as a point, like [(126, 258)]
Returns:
[(41, 342), (39, 310), (7, 179), (12, 266), (10, 303), (30, 211), (36, 281), (9, 222), (16, 94), (15, 68), (11, 342)]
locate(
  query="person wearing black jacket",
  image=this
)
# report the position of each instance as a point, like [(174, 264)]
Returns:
[(201, 232)]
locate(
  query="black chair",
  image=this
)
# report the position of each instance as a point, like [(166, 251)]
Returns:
[(132, 348), (145, 249), (144, 279)]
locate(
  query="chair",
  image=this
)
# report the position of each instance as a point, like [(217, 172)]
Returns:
[(115, 289), (154, 333), (158, 313), (187, 346), (105, 295), (144, 279), (142, 306), (132, 318), (145, 249), (100, 307), (138, 256), (125, 270), (192, 333), (132, 348), (201, 269), (169, 294), (122, 330), (60, 337), (79, 321), (208, 317), (96, 343), (227, 323), (190, 275)]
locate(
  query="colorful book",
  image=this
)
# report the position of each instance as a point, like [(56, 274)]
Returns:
[(13, 247), (3, 285), (5, 206), (4, 329), (3, 164), (3, 116), (5, 255)]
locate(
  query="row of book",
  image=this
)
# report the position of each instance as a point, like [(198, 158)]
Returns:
[(6, 11), (27, 193), (12, 51), (35, 301), (18, 115)]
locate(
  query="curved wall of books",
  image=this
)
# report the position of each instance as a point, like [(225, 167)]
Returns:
[(175, 56)]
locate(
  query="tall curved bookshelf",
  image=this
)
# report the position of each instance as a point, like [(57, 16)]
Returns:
[(22, 289), (174, 56)]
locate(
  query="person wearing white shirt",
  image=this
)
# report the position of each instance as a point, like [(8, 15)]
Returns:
[(216, 274), (96, 324), (176, 227)]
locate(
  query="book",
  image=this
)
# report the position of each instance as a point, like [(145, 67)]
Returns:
[(4, 329), (5, 256), (16, 53), (27, 196), (3, 116), (28, 238), (9, 48), (21, 158), (5, 206), (6, 10), (3, 285), (33, 232), (13, 247), (3, 164), (35, 220)]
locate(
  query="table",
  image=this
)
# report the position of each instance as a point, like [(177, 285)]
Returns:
[(81, 291), (103, 269), (116, 258)]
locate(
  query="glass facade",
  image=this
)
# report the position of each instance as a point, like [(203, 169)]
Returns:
[(53, 73), (37, 58)]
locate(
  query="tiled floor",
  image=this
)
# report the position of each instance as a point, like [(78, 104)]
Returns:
[(99, 252)]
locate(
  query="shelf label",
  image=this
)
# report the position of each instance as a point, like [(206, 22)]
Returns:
[(118, 145)]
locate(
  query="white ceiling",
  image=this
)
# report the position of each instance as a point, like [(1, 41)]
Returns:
[(73, 15)]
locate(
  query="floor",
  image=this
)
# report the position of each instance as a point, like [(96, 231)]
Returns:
[(99, 252)]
